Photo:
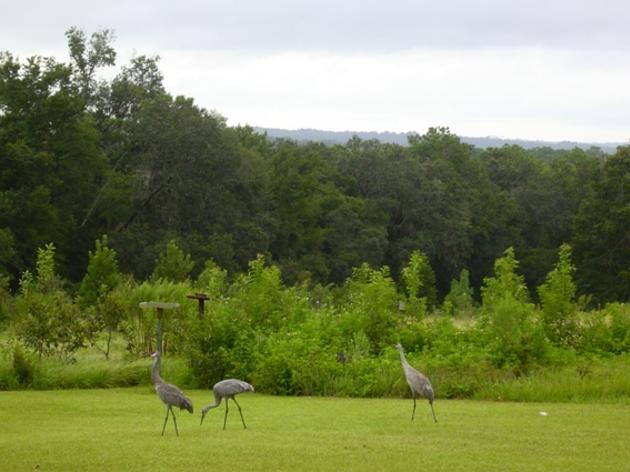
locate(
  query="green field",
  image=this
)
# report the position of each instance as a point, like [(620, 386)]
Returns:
[(119, 429)]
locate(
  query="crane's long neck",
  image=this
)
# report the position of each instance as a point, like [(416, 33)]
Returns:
[(217, 402), (403, 359), (155, 370)]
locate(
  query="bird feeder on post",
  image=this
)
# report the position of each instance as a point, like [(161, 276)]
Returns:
[(160, 307), (201, 298)]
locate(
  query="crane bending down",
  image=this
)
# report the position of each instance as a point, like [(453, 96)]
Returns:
[(417, 381), (168, 393), (227, 389)]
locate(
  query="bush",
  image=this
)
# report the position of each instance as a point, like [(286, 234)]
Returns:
[(557, 297), (46, 319), (370, 304), (139, 326), (459, 300), (508, 318), (22, 367), (606, 331)]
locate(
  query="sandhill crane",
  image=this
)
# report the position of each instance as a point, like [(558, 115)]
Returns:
[(418, 383), (227, 389), (168, 393)]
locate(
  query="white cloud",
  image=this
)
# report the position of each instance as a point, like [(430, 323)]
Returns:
[(521, 92), (537, 69)]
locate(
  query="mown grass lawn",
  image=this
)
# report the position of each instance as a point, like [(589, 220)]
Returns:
[(119, 429)]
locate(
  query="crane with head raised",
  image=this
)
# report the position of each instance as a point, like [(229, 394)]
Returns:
[(168, 393), (418, 383), (227, 389)]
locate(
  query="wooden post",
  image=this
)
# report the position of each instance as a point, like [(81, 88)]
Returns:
[(201, 298), (160, 307)]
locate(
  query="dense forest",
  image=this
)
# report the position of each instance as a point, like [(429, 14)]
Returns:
[(83, 157)]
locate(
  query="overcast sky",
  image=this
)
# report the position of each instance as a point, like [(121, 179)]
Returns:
[(551, 70)]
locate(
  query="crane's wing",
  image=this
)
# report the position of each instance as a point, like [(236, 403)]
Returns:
[(231, 387), (172, 395), (419, 383)]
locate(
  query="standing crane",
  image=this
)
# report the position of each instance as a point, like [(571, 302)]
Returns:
[(227, 389), (168, 393), (417, 381)]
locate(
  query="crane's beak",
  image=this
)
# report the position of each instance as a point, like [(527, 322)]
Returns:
[(203, 415)]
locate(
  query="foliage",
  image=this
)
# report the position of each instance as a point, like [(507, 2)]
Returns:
[(316, 258), (557, 297), (22, 367), (600, 236), (212, 280), (173, 264), (138, 327), (370, 305), (47, 320), (102, 273), (6, 300), (606, 330), (459, 300), (85, 156), (508, 316), (104, 310), (419, 282)]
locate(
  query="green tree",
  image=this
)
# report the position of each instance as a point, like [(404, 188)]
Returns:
[(198, 184), (601, 239), (173, 264), (87, 57), (459, 300), (557, 298), (371, 306), (101, 279), (102, 273), (508, 315), (543, 189), (51, 163), (46, 318), (419, 283), (324, 232)]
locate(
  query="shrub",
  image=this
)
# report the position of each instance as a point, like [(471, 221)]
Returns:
[(606, 331), (102, 274), (459, 300), (508, 317), (173, 264), (557, 297), (47, 320), (139, 325), (370, 305), (6, 301), (22, 366), (419, 282)]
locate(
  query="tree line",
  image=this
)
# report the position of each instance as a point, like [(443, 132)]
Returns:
[(83, 157)]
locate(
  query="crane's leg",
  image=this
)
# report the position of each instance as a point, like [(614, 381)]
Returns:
[(239, 410), (227, 400), (165, 420), (433, 411), (174, 420), (413, 413)]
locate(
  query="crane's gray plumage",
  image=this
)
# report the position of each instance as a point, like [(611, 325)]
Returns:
[(418, 383), (227, 389), (168, 393)]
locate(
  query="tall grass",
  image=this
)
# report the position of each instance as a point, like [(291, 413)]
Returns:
[(88, 370), (605, 379), (600, 379)]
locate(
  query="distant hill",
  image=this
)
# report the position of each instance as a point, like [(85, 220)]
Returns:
[(342, 137)]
